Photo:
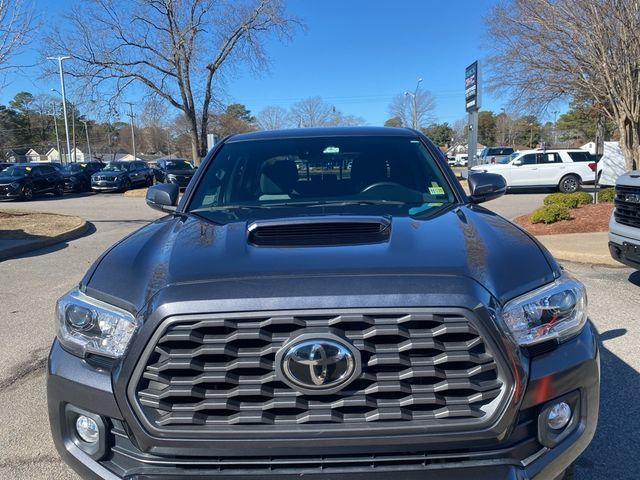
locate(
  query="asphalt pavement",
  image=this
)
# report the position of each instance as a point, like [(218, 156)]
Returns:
[(30, 284)]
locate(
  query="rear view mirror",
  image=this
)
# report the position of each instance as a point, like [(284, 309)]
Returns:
[(486, 186), (163, 197)]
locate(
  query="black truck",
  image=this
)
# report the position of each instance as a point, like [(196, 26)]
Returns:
[(325, 304)]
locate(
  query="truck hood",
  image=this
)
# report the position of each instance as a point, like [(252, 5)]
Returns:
[(467, 242)]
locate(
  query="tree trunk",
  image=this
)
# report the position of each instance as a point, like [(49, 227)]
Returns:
[(191, 116), (204, 146), (630, 142)]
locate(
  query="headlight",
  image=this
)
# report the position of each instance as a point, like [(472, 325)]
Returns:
[(557, 310), (87, 325)]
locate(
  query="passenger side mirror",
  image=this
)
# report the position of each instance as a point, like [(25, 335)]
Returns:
[(486, 186), (163, 197), (517, 163)]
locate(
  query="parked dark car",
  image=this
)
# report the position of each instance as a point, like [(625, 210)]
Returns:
[(25, 180), (122, 176), (4, 165), (77, 176), (177, 170), (325, 323)]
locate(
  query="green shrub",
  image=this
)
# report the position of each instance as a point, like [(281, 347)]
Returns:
[(584, 198), (565, 199), (550, 214), (606, 195)]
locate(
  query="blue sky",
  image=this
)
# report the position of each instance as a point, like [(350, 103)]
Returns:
[(355, 54)]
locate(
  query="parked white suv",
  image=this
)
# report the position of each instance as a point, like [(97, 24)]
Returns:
[(565, 169), (624, 226)]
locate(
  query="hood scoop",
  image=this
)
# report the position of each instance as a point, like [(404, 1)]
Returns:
[(323, 231)]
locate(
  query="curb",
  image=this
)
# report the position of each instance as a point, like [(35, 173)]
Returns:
[(136, 193), (590, 259), (32, 245)]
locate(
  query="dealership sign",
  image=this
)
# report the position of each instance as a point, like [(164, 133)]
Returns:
[(471, 94)]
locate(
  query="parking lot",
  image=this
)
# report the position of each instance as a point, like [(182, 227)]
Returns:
[(32, 283)]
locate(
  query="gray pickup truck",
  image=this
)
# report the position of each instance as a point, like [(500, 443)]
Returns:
[(325, 304), (624, 225)]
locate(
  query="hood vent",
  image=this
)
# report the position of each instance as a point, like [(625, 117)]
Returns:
[(325, 231)]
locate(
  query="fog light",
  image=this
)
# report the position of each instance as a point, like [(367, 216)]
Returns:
[(558, 416), (87, 429)]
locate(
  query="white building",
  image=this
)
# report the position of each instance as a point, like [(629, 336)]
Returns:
[(32, 155), (53, 155), (612, 162)]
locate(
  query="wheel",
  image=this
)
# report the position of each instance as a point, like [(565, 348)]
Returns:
[(27, 193), (58, 191), (569, 184), (126, 185), (85, 187), (149, 181)]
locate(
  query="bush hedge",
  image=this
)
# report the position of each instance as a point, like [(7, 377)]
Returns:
[(584, 198), (550, 213), (569, 200), (606, 195)]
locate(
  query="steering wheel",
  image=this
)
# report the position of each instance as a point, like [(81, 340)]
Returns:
[(383, 184)]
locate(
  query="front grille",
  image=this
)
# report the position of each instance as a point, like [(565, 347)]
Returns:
[(627, 212), (219, 371)]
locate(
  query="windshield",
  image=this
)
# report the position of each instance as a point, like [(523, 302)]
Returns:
[(508, 159), (72, 168), (16, 171), (116, 167), (311, 172), (178, 165)]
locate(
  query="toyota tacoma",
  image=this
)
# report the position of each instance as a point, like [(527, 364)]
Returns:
[(325, 304)]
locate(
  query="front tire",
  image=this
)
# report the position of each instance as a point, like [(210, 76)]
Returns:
[(27, 193), (569, 184), (126, 185), (58, 191), (149, 181)]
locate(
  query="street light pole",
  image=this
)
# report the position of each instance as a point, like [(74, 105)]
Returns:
[(555, 128), (133, 133), (55, 123), (86, 131), (64, 101), (414, 97)]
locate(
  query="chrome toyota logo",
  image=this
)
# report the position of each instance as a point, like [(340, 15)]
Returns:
[(318, 364)]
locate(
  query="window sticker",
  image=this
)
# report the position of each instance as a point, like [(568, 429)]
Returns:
[(436, 190)]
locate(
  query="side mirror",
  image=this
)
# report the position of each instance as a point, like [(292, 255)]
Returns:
[(163, 197), (486, 186), (517, 163)]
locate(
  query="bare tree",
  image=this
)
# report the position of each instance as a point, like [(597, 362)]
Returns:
[(273, 117), (315, 112), (401, 107), (572, 48), (176, 49), (16, 22)]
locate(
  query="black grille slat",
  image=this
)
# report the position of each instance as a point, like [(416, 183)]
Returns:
[(627, 213), (220, 371)]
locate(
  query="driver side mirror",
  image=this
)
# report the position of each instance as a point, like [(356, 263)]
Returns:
[(486, 186), (163, 197)]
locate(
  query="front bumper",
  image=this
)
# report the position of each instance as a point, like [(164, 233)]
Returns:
[(106, 185), (624, 243), (571, 369), (7, 192)]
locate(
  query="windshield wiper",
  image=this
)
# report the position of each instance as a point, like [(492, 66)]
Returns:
[(339, 203)]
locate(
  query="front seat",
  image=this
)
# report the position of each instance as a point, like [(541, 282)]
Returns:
[(278, 179)]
